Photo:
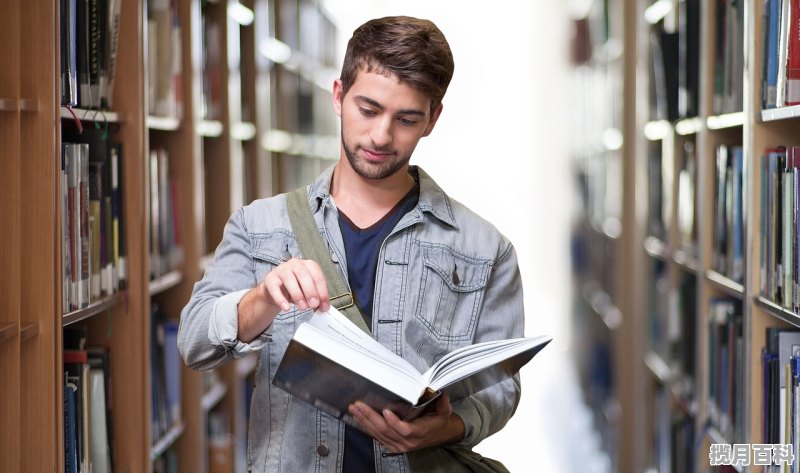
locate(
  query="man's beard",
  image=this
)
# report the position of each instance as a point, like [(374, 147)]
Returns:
[(370, 170)]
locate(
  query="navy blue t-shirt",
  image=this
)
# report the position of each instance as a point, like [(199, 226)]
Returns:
[(362, 246)]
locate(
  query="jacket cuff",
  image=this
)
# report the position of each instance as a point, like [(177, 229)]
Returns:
[(223, 326), (473, 424)]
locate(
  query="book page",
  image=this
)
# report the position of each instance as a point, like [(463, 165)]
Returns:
[(469, 360), (338, 327)]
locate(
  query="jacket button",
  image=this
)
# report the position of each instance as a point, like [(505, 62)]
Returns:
[(334, 258), (323, 450)]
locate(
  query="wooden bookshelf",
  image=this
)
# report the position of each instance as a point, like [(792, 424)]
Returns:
[(726, 281), (218, 164)]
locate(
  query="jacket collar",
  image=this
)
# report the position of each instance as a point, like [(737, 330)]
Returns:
[(432, 199)]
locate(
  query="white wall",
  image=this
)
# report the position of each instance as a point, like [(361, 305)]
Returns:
[(500, 147)]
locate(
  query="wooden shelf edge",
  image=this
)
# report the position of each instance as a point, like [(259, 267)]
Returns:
[(657, 130), (727, 285), (28, 330), (87, 115), (777, 311), (8, 331), (601, 304), (214, 396), (656, 248), (210, 128), (725, 121), (783, 113), (93, 309), (659, 368), (165, 282), (167, 440), (689, 126), (683, 259), (154, 122), (243, 131)]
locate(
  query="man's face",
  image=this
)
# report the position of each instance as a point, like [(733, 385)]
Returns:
[(383, 119)]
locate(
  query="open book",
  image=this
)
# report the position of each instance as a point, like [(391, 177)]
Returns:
[(331, 363)]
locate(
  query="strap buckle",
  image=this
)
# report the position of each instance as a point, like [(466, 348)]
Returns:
[(351, 302)]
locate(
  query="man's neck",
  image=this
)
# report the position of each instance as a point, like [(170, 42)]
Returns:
[(365, 201)]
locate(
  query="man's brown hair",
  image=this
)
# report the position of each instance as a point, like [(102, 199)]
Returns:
[(414, 50)]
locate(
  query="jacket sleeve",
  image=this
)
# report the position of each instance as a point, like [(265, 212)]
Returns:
[(501, 317), (209, 322)]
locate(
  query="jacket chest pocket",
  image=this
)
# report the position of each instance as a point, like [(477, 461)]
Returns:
[(450, 292), (270, 250)]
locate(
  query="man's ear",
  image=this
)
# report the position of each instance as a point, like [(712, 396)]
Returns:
[(434, 117), (338, 95)]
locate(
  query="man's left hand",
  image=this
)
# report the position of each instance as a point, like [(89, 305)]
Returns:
[(438, 427)]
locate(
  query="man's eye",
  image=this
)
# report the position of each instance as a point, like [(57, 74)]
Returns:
[(367, 112), (407, 122)]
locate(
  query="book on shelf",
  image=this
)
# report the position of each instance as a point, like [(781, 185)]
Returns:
[(91, 223), (330, 363), (781, 369)]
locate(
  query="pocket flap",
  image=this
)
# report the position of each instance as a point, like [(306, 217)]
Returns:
[(460, 273), (274, 247)]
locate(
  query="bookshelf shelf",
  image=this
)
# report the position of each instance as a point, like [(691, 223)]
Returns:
[(167, 440), (783, 113), (686, 405), (7, 331), (684, 260), (656, 248), (210, 128), (214, 396), (28, 331), (94, 309), (83, 114), (9, 105), (154, 122), (601, 304), (689, 126), (243, 131), (165, 282), (725, 121), (725, 284), (28, 105), (659, 368), (657, 130), (777, 311)]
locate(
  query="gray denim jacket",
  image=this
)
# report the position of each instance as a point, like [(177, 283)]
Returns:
[(445, 278)]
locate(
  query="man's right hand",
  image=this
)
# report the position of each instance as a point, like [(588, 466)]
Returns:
[(296, 281)]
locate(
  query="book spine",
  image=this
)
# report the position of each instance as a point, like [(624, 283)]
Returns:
[(793, 54)]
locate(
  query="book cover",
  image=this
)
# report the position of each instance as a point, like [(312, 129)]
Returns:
[(330, 363)]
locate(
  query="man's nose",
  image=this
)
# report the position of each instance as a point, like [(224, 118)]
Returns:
[(381, 133)]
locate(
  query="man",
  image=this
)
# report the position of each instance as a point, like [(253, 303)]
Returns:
[(428, 275)]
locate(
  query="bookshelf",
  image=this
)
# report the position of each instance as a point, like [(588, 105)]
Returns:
[(705, 242), (214, 164)]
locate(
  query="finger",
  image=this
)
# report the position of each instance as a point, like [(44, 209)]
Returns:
[(292, 287), (320, 283), (379, 427), (273, 287), (402, 428), (307, 285)]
